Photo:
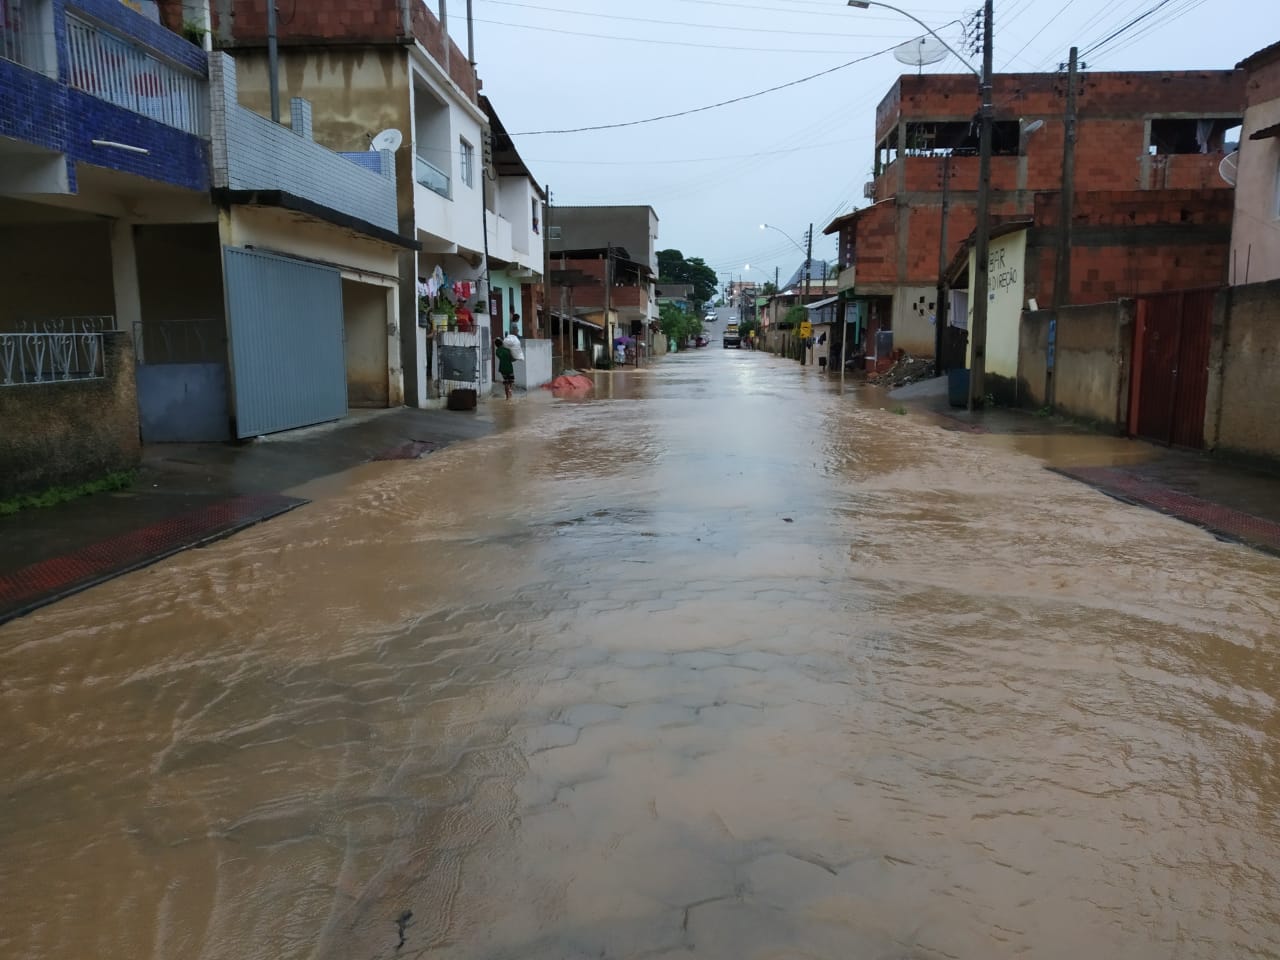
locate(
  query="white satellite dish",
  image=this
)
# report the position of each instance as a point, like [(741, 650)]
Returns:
[(920, 51), (387, 140), (1229, 168)]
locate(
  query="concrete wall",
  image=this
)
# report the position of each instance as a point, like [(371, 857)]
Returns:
[(912, 325), (36, 258), (1093, 350), (1005, 279), (364, 320), (535, 369), (1246, 420), (61, 434), (1255, 233), (588, 228), (252, 153)]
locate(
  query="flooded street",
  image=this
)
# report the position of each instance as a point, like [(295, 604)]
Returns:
[(719, 664)]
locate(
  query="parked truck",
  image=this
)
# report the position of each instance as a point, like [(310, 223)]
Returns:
[(731, 338)]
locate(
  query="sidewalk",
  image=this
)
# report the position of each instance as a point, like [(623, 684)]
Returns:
[(1230, 500), (186, 495)]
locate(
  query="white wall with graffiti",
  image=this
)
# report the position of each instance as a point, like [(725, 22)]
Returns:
[(1005, 275)]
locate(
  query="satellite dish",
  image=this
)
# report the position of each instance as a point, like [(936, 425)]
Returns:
[(1229, 167), (387, 140), (920, 51)]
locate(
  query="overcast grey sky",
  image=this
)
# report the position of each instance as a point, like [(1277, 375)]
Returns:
[(789, 157)]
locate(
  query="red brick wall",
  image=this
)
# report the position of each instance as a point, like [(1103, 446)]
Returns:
[(877, 245), (1184, 245), (312, 21), (593, 296), (1023, 95), (339, 22)]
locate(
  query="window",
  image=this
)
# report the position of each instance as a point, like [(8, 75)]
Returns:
[(535, 214), (468, 163)]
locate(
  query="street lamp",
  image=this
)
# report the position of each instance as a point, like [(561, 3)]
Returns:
[(982, 234), (794, 242), (867, 4)]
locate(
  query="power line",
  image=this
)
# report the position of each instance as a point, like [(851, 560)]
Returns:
[(1061, 10), (736, 156), (807, 13), (710, 106), (661, 43), (677, 23), (1175, 14), (1128, 26)]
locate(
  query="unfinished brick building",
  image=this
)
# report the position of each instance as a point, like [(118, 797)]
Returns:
[(1150, 213)]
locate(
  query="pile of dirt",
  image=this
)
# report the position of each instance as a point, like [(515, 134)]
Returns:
[(906, 369)]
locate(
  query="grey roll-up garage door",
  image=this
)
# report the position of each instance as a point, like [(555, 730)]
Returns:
[(288, 367)]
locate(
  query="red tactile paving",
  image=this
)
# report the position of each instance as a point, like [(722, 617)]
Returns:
[(409, 450), (1223, 521), (41, 583)]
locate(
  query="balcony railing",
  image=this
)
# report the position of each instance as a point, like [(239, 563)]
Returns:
[(20, 39), (431, 176), (120, 72), (49, 357)]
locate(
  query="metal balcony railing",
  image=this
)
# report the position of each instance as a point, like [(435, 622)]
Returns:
[(19, 33), (124, 73), (431, 176), (27, 358)]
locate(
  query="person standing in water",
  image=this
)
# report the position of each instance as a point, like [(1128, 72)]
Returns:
[(506, 365)]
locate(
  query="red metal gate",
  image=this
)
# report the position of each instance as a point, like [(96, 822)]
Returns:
[(1171, 367)]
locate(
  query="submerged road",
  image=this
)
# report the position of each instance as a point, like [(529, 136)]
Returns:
[(719, 664)]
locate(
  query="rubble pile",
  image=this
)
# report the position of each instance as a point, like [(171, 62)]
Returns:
[(906, 369)]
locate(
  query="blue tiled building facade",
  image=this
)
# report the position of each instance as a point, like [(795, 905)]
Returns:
[(41, 103)]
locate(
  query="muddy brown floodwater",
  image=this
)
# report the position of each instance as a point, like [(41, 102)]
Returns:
[(719, 665)]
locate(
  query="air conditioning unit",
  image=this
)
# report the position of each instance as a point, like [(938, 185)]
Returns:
[(869, 190)]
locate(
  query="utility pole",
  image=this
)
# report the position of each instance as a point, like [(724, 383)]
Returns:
[(546, 261), (1062, 268), (273, 62), (808, 274), (471, 37), (982, 242), (940, 312), (608, 302)]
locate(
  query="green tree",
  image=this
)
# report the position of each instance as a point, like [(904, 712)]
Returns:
[(678, 325), (674, 268)]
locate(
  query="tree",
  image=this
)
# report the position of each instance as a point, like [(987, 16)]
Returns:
[(768, 290), (674, 268), (678, 325)]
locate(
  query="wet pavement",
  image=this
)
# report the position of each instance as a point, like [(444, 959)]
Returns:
[(718, 664)]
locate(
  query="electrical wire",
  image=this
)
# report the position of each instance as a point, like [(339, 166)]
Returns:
[(1061, 10), (738, 156), (677, 23), (1124, 29), (661, 43), (1175, 14), (710, 106)]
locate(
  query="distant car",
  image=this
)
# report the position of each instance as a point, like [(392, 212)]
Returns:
[(701, 341)]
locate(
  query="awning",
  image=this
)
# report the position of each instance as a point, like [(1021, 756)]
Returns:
[(821, 303)]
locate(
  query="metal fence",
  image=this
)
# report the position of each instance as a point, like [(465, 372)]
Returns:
[(27, 358), (120, 72), (198, 340)]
